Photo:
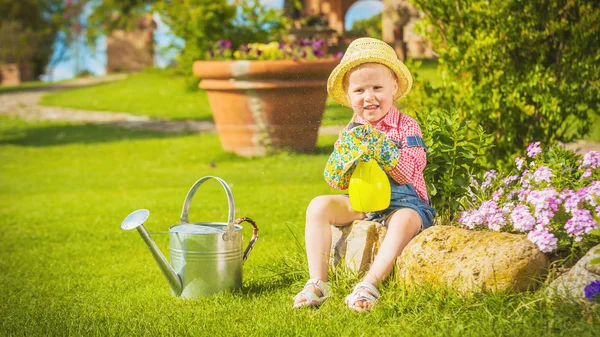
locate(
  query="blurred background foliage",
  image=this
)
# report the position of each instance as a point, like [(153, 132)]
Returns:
[(524, 74), (508, 72)]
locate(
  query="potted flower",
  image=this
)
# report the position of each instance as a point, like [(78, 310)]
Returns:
[(266, 96)]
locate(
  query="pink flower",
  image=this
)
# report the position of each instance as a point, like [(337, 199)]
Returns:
[(471, 219), (581, 223), (545, 240), (521, 219), (497, 194), (487, 179), (519, 161), (542, 173), (533, 149), (510, 179), (591, 160), (587, 173)]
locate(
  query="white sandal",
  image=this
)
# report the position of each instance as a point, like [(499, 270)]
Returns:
[(310, 293), (363, 291)]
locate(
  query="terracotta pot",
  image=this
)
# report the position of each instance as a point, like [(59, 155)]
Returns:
[(259, 106)]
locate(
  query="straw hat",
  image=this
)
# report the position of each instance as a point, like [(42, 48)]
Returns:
[(367, 50)]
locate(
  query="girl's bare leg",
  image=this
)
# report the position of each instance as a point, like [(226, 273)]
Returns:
[(402, 226), (322, 212)]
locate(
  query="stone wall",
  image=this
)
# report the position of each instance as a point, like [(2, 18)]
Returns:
[(128, 51), (15, 73)]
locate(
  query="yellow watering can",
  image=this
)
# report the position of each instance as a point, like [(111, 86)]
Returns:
[(369, 188)]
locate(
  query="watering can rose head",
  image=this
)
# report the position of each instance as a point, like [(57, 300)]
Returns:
[(298, 50)]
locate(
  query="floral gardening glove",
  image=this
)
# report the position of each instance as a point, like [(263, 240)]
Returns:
[(382, 149), (351, 147)]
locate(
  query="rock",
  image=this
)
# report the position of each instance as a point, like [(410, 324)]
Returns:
[(355, 246), (471, 261), (570, 284)]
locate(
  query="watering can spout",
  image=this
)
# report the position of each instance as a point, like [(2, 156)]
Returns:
[(136, 220)]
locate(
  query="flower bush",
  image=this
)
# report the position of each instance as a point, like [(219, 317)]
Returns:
[(552, 196), (300, 50)]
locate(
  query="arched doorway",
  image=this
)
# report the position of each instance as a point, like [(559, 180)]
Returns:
[(396, 15)]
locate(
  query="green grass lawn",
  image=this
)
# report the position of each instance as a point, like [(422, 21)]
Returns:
[(66, 267), (154, 92), (33, 85)]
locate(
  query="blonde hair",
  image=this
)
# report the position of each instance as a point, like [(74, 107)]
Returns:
[(346, 80)]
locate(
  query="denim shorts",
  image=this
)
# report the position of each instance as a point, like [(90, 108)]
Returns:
[(405, 196)]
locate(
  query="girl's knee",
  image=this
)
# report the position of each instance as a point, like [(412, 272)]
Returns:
[(319, 206), (406, 221)]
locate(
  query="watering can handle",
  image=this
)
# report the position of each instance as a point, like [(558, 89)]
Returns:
[(254, 235), (192, 191)]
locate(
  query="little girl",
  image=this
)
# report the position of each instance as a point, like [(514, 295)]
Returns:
[(369, 78)]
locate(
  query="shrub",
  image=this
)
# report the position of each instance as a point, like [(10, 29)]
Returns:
[(200, 23), (455, 150), (521, 72)]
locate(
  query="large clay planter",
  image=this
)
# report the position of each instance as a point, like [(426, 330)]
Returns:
[(259, 106)]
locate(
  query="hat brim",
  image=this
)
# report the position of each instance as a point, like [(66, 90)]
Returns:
[(335, 83)]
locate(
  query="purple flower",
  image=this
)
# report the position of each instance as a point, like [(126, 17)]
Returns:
[(593, 192), (545, 240), (318, 43), (510, 179), (581, 223), (533, 149), (318, 52), (521, 219), (542, 173), (519, 162), (572, 199), (224, 44), (304, 42), (591, 160), (592, 290), (471, 219), (303, 54), (338, 55), (546, 199), (497, 194), (587, 173), (525, 179), (487, 179)]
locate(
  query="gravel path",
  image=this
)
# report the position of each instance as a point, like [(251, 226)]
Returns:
[(26, 105)]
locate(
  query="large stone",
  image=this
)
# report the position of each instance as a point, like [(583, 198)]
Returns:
[(354, 246), (471, 261), (570, 284)]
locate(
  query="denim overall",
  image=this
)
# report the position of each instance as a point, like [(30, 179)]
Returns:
[(405, 195)]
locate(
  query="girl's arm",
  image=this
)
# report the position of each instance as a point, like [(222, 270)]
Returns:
[(349, 147)]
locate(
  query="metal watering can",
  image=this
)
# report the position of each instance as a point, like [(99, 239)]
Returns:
[(206, 257)]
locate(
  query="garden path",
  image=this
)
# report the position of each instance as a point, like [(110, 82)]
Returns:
[(26, 105)]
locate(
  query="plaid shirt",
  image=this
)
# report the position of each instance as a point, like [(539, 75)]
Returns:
[(409, 170)]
